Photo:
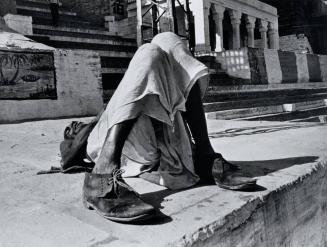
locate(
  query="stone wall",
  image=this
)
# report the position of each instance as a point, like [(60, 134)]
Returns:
[(296, 43), (293, 215), (79, 91), (266, 66), (20, 23), (94, 10), (236, 63)]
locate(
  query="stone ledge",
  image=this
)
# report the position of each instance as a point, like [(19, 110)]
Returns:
[(259, 223), (47, 210)]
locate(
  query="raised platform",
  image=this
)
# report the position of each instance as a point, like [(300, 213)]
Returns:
[(290, 209)]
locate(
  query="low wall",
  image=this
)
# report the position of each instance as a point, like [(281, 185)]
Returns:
[(292, 215), (79, 90), (236, 63), (20, 23), (295, 43), (267, 66)]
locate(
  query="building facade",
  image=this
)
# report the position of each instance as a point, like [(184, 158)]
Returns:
[(232, 24)]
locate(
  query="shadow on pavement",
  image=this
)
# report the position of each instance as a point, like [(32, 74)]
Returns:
[(245, 131), (251, 169), (260, 168)]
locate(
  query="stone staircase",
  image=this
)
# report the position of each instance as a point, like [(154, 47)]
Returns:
[(73, 32), (226, 98), (234, 98)]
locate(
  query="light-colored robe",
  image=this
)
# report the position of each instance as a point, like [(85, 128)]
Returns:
[(156, 85)]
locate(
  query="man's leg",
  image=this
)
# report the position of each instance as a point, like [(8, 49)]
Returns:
[(104, 189), (210, 166), (196, 120), (110, 155)]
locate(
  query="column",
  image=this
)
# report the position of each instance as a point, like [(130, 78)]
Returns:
[(218, 17), (235, 17), (200, 11), (263, 31), (273, 35), (250, 25), (139, 24)]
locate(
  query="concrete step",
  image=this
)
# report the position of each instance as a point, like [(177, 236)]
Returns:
[(217, 96), (40, 6), (105, 70), (266, 112), (65, 22), (319, 119), (116, 54), (222, 78), (299, 106), (115, 62), (46, 9), (288, 208), (265, 87), (75, 39), (306, 115), (246, 112), (80, 29), (291, 103), (81, 45), (79, 33), (35, 13)]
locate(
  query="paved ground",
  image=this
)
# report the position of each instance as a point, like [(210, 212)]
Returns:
[(46, 210)]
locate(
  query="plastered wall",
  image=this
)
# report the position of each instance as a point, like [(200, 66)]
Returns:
[(78, 77)]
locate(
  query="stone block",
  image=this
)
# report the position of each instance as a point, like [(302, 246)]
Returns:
[(303, 105), (19, 23), (323, 66), (302, 68), (274, 71), (314, 68), (295, 43), (289, 66), (257, 66), (245, 112), (236, 63)]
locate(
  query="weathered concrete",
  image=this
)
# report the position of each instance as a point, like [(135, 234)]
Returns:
[(79, 90), (78, 79), (47, 210), (19, 23), (267, 66), (16, 41)]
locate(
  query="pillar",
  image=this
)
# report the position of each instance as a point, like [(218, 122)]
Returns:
[(200, 11), (218, 17), (139, 37), (263, 31), (235, 17), (250, 25), (273, 35)]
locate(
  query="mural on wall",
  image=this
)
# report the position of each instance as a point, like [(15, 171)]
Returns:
[(25, 75)]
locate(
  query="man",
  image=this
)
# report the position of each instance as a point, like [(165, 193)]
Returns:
[(54, 8), (147, 129)]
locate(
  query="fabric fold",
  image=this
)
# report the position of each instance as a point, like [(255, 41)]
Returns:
[(155, 85)]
